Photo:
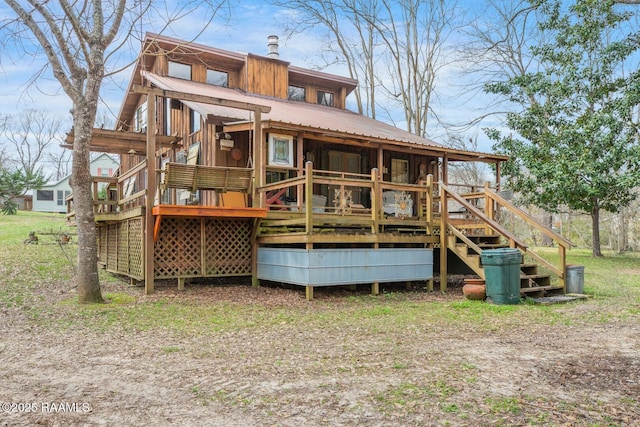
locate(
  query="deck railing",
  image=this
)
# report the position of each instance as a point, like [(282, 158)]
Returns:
[(115, 194), (326, 197)]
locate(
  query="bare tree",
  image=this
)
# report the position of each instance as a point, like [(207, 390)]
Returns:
[(60, 161), (471, 173), (79, 41), (416, 36), (350, 40), (394, 48), (32, 134)]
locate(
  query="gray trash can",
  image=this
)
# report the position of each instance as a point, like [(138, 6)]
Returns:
[(502, 275), (574, 279)]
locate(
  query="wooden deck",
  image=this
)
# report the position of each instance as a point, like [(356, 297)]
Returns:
[(213, 241)]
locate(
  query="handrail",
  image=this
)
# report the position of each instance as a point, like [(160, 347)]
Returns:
[(529, 219), (464, 238), (134, 170), (487, 218), (513, 240)]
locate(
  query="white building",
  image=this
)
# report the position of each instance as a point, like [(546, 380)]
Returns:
[(51, 197)]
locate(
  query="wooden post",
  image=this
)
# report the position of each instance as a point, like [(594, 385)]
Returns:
[(375, 288), (301, 169), (308, 202), (375, 212), (445, 168), (444, 213), (489, 208), (260, 160), (309, 292), (563, 267), (150, 193), (429, 218), (429, 205)]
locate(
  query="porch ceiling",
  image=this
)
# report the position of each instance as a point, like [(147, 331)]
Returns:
[(119, 142)]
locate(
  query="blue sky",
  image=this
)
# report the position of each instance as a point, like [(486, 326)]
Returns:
[(245, 30)]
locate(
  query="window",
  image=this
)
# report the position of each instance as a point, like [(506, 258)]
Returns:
[(105, 172), (167, 116), (140, 118), (325, 98), (217, 78), (178, 70), (60, 200), (400, 171), (46, 195), (195, 121), (297, 93), (281, 150)]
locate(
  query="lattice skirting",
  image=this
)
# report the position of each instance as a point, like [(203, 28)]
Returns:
[(120, 247), (203, 247), (187, 247)]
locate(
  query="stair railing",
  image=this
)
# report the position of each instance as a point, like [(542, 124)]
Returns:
[(493, 201)]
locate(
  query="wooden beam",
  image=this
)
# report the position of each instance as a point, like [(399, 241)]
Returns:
[(183, 96), (208, 211), (121, 142)]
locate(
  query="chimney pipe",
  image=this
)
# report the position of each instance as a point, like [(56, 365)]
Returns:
[(273, 47)]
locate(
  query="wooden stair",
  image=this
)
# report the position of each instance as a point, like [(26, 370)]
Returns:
[(532, 283)]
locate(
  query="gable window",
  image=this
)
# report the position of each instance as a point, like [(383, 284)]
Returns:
[(325, 98), (180, 71), (140, 118), (296, 93), (46, 195), (217, 78)]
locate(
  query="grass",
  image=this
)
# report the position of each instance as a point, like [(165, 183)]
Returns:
[(614, 281), (38, 281)]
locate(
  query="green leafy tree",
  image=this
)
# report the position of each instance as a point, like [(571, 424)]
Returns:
[(575, 141), (16, 183)]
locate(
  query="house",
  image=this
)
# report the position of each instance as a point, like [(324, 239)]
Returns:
[(241, 164), (24, 202), (52, 197)]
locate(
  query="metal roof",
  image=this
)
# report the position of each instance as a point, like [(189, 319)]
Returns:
[(299, 114)]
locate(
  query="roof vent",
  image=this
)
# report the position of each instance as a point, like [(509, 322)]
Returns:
[(273, 47)]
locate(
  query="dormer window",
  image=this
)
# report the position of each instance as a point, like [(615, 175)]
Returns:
[(218, 78), (325, 98), (297, 93), (180, 71)]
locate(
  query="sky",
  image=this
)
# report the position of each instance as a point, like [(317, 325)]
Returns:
[(229, 32), (244, 29)]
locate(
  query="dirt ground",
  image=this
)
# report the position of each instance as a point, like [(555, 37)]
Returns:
[(297, 375)]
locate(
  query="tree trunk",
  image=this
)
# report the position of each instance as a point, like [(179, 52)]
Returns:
[(87, 280), (595, 230)]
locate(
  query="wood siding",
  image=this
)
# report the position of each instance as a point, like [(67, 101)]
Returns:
[(267, 77)]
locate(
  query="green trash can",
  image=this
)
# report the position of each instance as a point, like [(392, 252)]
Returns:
[(502, 275)]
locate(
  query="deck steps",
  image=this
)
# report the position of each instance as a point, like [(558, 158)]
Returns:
[(531, 281)]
